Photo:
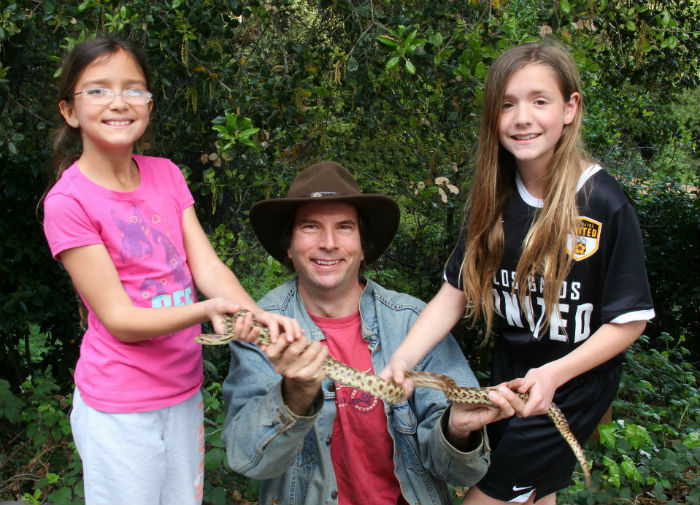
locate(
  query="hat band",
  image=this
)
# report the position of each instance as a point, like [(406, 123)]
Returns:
[(321, 194)]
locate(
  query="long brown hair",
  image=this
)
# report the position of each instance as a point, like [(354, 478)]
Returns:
[(544, 250)]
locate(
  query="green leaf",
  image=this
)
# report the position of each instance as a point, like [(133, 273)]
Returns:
[(231, 121), (247, 133), (213, 459), (636, 435), (692, 440), (218, 495), (480, 70), (210, 367), (63, 495), (436, 39), (630, 470), (669, 43), (388, 40), (565, 6), (392, 63), (607, 435), (410, 67), (613, 471)]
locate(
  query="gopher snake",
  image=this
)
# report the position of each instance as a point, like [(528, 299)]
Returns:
[(393, 393)]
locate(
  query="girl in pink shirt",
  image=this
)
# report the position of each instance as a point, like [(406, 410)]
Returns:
[(125, 229)]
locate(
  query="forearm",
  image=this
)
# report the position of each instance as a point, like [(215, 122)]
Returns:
[(261, 435), (459, 457), (129, 323), (219, 280), (211, 276), (299, 398), (463, 441), (459, 465), (435, 321), (609, 341)]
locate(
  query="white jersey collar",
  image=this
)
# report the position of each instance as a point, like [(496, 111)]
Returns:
[(539, 203)]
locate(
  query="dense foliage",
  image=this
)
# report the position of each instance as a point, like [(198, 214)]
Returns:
[(247, 92)]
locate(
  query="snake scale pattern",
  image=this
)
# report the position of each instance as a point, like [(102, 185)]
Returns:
[(393, 393)]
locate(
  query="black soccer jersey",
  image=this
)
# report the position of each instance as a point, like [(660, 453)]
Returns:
[(607, 282)]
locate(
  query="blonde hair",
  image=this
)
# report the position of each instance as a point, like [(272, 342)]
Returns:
[(544, 250)]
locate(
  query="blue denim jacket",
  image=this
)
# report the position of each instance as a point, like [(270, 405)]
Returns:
[(290, 454)]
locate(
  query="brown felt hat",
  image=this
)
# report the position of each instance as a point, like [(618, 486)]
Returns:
[(325, 181)]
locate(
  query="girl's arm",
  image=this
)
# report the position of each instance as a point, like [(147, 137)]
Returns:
[(609, 341), (434, 322), (214, 279), (96, 278)]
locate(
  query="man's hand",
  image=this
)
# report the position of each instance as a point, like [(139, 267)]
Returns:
[(465, 418), (300, 363)]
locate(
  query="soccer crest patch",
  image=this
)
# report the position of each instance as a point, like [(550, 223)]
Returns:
[(587, 238)]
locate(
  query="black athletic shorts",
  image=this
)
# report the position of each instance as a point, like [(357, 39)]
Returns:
[(530, 453)]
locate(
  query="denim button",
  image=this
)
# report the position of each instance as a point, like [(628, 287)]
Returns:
[(334, 494)]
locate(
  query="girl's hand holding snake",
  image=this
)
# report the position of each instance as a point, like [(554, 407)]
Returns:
[(217, 310), (280, 325), (395, 371), (541, 384)]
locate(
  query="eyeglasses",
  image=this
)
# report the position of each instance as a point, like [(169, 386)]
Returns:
[(103, 96)]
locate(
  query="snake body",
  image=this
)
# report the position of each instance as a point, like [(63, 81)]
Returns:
[(393, 393)]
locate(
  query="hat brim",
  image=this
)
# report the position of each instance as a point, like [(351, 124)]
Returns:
[(380, 215)]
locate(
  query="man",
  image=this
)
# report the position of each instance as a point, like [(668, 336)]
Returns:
[(308, 439)]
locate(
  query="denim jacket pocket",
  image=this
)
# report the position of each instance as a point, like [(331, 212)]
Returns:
[(404, 426), (403, 418)]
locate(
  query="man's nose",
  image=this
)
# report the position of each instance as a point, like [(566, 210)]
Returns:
[(327, 239)]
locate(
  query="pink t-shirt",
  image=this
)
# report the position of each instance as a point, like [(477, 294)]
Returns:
[(362, 450), (142, 231)]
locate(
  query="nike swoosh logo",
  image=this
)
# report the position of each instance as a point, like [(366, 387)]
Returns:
[(517, 488)]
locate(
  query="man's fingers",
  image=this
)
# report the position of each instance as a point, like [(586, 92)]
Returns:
[(505, 409)]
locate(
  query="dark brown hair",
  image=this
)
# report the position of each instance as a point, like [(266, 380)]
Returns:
[(66, 140)]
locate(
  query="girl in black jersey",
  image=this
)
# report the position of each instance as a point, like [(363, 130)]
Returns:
[(551, 258)]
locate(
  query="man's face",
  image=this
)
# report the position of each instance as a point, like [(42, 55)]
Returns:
[(326, 248)]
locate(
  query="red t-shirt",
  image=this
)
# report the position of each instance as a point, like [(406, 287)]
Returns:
[(362, 450)]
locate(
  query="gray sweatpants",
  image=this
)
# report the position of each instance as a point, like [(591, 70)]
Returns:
[(141, 458)]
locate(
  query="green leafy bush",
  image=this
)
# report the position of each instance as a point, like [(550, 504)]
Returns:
[(41, 462), (247, 92), (650, 452)]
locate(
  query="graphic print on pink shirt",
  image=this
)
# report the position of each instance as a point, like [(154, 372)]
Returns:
[(140, 241)]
